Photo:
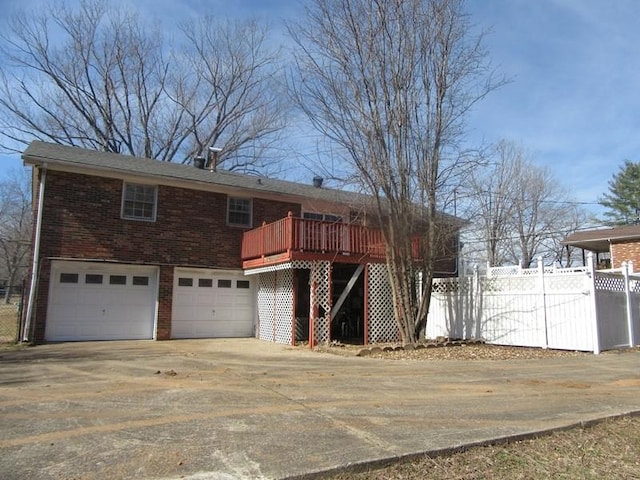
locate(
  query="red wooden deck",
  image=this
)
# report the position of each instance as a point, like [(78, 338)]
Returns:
[(301, 239)]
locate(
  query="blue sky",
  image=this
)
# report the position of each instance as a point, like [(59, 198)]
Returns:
[(574, 67), (573, 101)]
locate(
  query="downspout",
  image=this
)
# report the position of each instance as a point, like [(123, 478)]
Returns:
[(36, 255)]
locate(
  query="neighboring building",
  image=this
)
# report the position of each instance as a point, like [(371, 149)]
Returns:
[(612, 246), (132, 248)]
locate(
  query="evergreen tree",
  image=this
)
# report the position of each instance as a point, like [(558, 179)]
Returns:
[(623, 199)]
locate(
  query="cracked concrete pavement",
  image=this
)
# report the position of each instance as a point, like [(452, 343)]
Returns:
[(243, 408)]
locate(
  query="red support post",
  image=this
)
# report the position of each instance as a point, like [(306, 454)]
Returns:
[(365, 319), (289, 232)]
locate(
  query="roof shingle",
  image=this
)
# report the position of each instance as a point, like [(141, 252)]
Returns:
[(39, 153)]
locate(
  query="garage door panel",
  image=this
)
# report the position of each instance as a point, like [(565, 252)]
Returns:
[(90, 313), (208, 304), (125, 315), (109, 307), (203, 328), (110, 329), (230, 329), (72, 331)]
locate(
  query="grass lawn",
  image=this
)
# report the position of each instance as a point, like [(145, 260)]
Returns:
[(8, 322)]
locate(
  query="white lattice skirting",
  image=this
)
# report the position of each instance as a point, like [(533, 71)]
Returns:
[(275, 306), (276, 303), (382, 325)]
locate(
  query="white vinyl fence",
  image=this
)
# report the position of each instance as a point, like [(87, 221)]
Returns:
[(566, 309)]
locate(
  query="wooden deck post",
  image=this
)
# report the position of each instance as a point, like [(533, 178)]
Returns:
[(365, 319), (289, 232)]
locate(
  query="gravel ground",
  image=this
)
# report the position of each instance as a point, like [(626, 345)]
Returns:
[(449, 351)]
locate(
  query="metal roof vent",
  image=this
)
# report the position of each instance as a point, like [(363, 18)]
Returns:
[(198, 162), (317, 181), (214, 154)]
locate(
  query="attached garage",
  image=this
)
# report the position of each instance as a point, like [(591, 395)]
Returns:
[(212, 304), (97, 301)]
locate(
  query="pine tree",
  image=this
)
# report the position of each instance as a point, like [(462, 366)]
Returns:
[(623, 199)]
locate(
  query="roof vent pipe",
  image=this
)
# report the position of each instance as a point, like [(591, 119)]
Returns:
[(317, 181), (198, 162), (212, 161)]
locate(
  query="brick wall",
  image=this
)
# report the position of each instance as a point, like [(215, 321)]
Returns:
[(165, 303), (81, 220), (625, 252)]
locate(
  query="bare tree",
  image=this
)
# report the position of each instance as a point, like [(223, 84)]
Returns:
[(573, 218), (492, 189), (539, 213), (98, 77), (390, 81), (230, 96), (522, 212), (15, 228)]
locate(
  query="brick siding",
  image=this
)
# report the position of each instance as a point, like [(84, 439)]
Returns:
[(82, 220), (625, 252)]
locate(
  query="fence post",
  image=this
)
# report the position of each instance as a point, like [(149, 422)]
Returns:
[(544, 300), (475, 303), (627, 295), (594, 304)]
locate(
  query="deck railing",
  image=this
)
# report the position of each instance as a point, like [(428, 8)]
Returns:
[(302, 235)]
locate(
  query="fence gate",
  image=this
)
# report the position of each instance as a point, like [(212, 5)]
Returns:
[(560, 308)]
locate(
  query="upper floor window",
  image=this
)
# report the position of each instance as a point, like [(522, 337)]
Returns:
[(326, 217), (239, 212), (139, 202)]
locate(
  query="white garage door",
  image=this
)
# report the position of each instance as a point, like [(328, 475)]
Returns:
[(94, 301), (212, 304)]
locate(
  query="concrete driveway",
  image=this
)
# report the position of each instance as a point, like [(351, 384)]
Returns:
[(226, 409)]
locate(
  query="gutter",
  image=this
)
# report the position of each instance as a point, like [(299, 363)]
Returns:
[(36, 255)]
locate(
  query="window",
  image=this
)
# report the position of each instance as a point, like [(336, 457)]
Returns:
[(357, 217), (239, 212), (243, 284), (312, 216), (224, 283), (322, 216), (68, 278), (205, 282), (117, 279), (139, 202), (185, 282), (143, 281), (92, 278)]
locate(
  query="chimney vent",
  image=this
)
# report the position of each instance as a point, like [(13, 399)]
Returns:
[(198, 162), (317, 181), (214, 153)]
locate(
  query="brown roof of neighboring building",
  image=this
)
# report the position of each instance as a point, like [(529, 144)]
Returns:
[(600, 240)]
